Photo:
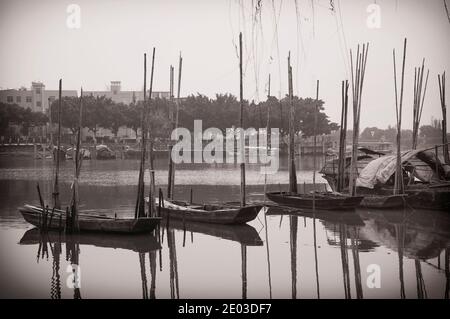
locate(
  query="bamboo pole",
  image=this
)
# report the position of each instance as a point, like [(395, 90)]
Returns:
[(241, 123), (78, 159), (177, 102), (398, 189), (418, 101), (152, 191), (358, 74), (140, 206), (292, 170), (172, 122), (342, 137), (441, 80), (315, 145), (56, 202)]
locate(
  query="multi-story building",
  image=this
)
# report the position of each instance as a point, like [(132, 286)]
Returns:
[(37, 98), (117, 95)]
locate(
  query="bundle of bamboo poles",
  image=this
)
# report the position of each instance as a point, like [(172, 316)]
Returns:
[(358, 72), (418, 100), (292, 170), (441, 80), (173, 118), (399, 187), (342, 137), (140, 203), (78, 158)]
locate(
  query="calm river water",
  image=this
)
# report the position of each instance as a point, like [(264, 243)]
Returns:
[(361, 254)]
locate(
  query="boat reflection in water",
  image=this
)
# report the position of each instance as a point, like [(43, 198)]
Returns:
[(420, 236), (244, 234), (54, 240), (51, 244)]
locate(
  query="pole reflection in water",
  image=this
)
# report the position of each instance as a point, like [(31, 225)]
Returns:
[(143, 276), (293, 225), (244, 271), (72, 255), (56, 278), (400, 233), (174, 287), (268, 255), (344, 259), (447, 272), (355, 252)]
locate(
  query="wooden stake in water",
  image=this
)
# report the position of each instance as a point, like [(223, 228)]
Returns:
[(152, 191), (140, 205), (241, 123), (56, 202), (177, 102), (78, 159), (441, 80), (292, 170)]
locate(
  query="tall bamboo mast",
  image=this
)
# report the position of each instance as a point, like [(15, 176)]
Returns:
[(241, 123), (172, 122), (441, 80), (177, 102), (152, 191), (56, 202), (357, 85), (398, 189), (342, 137), (78, 159), (419, 98), (140, 205), (292, 170)]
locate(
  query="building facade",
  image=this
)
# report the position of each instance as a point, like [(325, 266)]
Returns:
[(117, 95), (37, 98)]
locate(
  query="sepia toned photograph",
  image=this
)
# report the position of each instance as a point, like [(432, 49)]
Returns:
[(206, 151)]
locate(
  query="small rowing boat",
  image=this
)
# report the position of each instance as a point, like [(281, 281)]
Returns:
[(319, 200), (56, 219), (207, 213)]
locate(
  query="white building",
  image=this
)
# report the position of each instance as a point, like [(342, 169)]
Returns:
[(37, 98)]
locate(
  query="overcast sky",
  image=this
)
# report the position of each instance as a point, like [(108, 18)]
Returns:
[(37, 45)]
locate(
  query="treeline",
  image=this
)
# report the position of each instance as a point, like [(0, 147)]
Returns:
[(12, 114), (221, 112)]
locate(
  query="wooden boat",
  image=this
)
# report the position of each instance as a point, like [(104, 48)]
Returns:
[(89, 222), (323, 201), (141, 243), (214, 214), (383, 201)]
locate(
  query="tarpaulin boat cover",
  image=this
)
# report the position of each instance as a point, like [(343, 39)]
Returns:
[(381, 169)]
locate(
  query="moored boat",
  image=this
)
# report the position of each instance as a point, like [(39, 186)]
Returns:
[(88, 222), (208, 213), (319, 200)]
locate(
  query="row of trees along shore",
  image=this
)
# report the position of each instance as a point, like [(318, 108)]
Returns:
[(221, 112)]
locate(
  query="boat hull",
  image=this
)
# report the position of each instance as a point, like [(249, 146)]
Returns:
[(383, 201), (306, 202), (34, 216), (208, 213)]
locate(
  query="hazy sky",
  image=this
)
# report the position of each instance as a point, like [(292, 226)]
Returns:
[(37, 45)]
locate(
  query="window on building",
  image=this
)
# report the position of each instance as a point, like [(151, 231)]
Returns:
[(18, 99), (38, 90), (29, 100), (9, 99), (38, 104)]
